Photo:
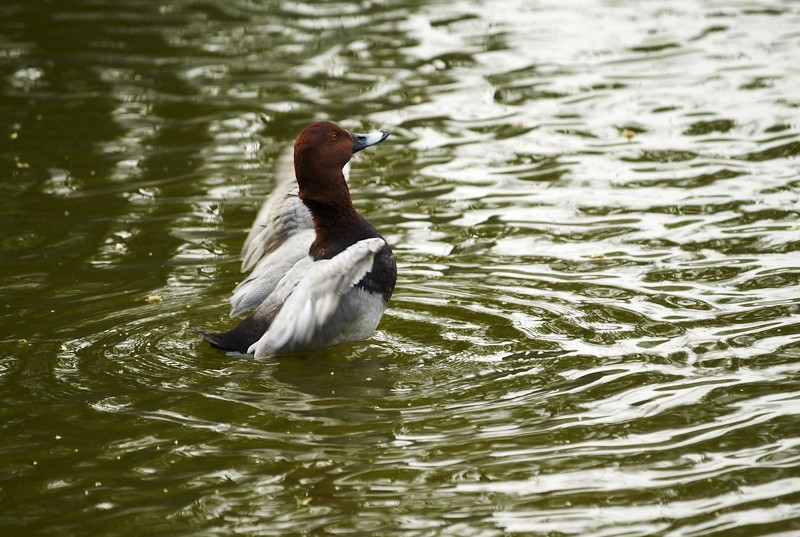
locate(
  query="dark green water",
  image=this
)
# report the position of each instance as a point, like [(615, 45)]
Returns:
[(596, 212)]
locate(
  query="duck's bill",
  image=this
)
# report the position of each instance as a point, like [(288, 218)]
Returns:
[(360, 141)]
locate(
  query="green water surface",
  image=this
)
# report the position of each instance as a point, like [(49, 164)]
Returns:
[(596, 214)]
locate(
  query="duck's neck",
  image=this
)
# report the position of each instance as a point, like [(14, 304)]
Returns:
[(335, 221)]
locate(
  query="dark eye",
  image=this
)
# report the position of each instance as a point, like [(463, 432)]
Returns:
[(331, 137)]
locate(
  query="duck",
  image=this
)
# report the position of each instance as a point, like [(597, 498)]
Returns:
[(319, 273)]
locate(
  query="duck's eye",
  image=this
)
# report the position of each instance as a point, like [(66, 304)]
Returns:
[(331, 137)]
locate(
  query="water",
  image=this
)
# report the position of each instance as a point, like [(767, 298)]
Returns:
[(594, 206)]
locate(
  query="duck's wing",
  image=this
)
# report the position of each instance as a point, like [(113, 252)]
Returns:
[(311, 293), (282, 215), (270, 270)]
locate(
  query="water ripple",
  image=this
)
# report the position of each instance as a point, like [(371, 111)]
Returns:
[(595, 213)]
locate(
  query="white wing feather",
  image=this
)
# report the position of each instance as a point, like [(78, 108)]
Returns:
[(269, 272), (267, 225), (311, 293)]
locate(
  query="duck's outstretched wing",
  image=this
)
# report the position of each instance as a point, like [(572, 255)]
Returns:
[(270, 270), (280, 217), (310, 294)]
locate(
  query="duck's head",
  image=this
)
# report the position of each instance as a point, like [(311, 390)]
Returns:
[(321, 151)]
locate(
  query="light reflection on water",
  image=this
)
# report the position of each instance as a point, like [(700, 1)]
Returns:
[(595, 212)]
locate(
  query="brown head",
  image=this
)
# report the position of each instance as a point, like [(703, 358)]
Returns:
[(320, 152)]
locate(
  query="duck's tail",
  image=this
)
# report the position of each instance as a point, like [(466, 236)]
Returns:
[(240, 337)]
